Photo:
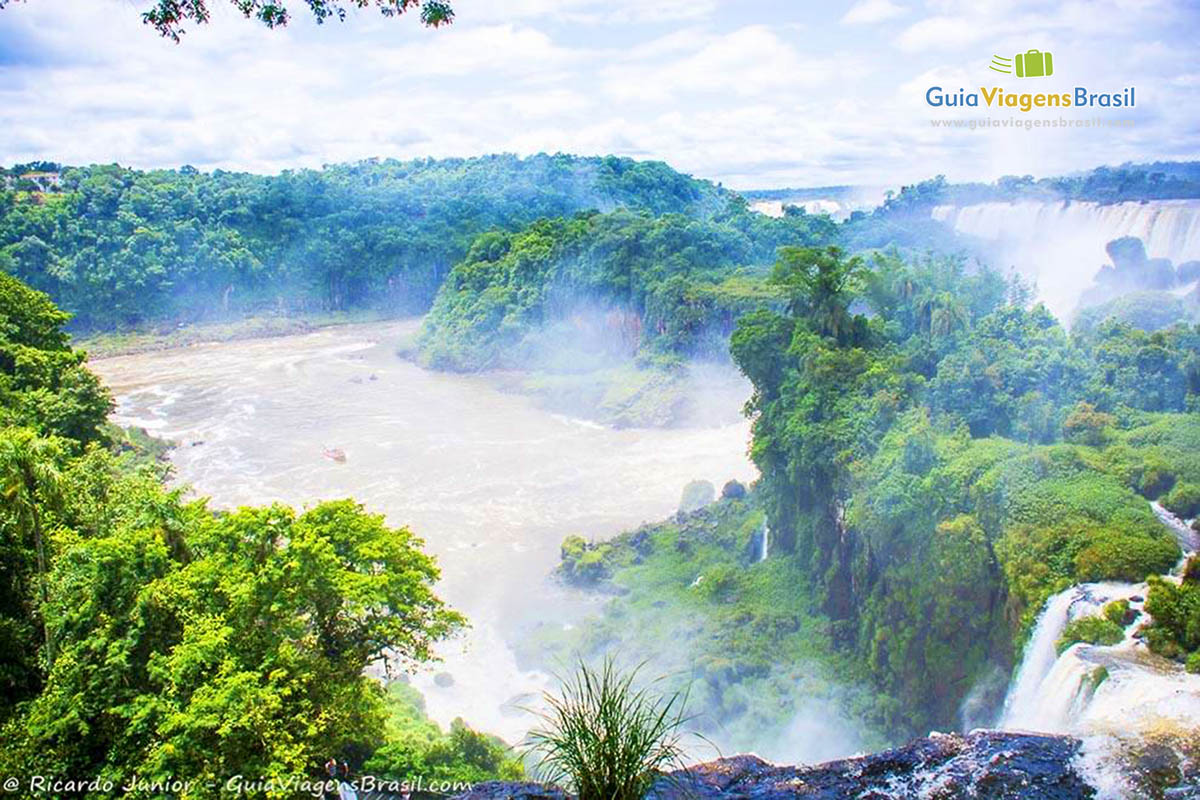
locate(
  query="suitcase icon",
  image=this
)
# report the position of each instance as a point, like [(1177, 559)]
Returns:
[(1034, 64)]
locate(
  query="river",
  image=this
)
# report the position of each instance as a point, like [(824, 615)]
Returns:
[(490, 481)]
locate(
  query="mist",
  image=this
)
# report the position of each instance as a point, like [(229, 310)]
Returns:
[(1060, 246)]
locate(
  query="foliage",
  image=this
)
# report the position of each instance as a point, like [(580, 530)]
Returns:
[(208, 647), (145, 635), (1117, 612), (1175, 632), (584, 562), (605, 286), (746, 642), (168, 16), (120, 247), (1128, 182), (1183, 500), (1149, 311), (607, 738), (1086, 425), (1092, 630), (941, 458), (417, 748), (44, 384)]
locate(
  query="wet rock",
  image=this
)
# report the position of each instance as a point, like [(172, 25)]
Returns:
[(982, 765), (1187, 272), (733, 490), (507, 790), (443, 679)]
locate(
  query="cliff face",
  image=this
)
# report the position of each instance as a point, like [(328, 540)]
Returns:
[(983, 765)]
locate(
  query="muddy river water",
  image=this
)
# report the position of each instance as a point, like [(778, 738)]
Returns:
[(489, 480)]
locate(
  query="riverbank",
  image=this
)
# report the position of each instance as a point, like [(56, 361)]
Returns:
[(166, 337)]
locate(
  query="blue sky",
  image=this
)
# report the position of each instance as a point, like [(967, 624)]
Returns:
[(755, 93)]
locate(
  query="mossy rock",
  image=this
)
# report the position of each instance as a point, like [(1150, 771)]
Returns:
[(1118, 612), (1092, 630)]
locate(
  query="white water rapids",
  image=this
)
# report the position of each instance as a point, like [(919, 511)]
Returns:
[(491, 482), (1098, 692), (1061, 245)]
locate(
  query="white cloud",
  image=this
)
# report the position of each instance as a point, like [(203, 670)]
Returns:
[(940, 33), (602, 12), (866, 12), (796, 99), (750, 61)]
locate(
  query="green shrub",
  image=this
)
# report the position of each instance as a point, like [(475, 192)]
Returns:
[(1116, 612), (417, 748), (1175, 609), (583, 562), (1193, 663), (1125, 558), (1183, 500), (1157, 478), (1092, 630), (606, 739), (1086, 425)]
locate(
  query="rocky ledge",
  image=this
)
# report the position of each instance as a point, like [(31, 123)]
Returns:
[(983, 765)]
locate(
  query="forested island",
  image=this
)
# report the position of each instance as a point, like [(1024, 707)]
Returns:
[(938, 454)]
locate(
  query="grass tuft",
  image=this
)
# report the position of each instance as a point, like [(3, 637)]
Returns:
[(605, 739)]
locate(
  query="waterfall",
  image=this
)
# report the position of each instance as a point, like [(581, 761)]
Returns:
[(1051, 690), (1189, 540), (1060, 245), (1098, 690), (764, 543), (1021, 705)]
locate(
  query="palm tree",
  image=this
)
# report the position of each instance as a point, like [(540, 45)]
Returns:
[(30, 479), (947, 314)]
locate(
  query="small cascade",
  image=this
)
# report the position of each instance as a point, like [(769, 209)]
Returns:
[(764, 547), (1103, 693), (1060, 245), (1189, 540), (1050, 688)]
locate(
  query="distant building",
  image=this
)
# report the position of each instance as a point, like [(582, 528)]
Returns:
[(45, 181)]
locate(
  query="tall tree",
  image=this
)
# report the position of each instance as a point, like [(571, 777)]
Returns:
[(31, 483)]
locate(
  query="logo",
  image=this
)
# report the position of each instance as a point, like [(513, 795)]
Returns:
[(1030, 64)]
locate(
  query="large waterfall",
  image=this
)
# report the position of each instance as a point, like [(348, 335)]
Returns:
[(1102, 692), (1060, 245)]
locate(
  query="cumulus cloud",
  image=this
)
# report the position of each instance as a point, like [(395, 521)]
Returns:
[(866, 12), (795, 98)]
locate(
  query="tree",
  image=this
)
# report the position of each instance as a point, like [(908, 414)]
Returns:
[(168, 16), (31, 483), (243, 653), (820, 284)]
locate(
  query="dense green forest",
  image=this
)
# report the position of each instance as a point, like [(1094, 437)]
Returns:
[(938, 457), (119, 247), (1161, 180), (942, 457), (146, 635), (666, 285)]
